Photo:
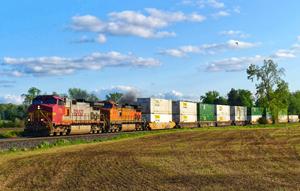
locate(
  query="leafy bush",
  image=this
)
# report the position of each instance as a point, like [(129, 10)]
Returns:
[(263, 121)]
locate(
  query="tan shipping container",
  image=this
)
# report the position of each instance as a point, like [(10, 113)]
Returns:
[(155, 106), (293, 118), (238, 113), (283, 119), (185, 118), (223, 113), (158, 118), (184, 108)]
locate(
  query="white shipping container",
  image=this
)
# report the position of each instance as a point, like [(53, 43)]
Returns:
[(293, 118), (184, 108), (238, 113), (158, 118), (254, 118), (155, 106), (223, 113), (283, 119), (185, 118)]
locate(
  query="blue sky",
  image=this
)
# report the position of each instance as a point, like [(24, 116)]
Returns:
[(170, 48)]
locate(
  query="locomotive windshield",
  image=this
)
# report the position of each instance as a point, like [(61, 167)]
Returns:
[(39, 101)]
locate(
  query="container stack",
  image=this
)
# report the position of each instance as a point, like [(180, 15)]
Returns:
[(206, 114), (238, 115), (184, 113), (223, 115), (157, 112), (254, 114)]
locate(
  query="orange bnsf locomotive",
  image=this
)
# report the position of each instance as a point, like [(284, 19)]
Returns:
[(52, 115)]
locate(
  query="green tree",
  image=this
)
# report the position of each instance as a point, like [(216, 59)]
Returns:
[(31, 94), (294, 103), (115, 97), (213, 97), (240, 97), (77, 93), (271, 90)]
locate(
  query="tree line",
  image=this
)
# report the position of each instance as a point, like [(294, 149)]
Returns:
[(272, 92)]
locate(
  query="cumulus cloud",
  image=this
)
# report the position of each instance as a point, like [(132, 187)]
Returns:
[(221, 14), (208, 48), (241, 63), (118, 88), (282, 53), (175, 95), (233, 64), (9, 98), (234, 33), (134, 23), (39, 66), (101, 39), (205, 3)]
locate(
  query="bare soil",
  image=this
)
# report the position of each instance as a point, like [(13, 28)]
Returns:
[(253, 159)]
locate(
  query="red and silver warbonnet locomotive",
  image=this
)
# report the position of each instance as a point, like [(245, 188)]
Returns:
[(54, 115)]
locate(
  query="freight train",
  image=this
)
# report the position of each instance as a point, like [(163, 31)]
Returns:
[(50, 115)]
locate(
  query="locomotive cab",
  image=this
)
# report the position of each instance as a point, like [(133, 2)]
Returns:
[(44, 113)]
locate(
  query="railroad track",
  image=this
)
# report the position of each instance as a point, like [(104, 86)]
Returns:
[(32, 142)]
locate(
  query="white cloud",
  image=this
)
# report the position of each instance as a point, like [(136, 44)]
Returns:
[(204, 3), (234, 33), (221, 14), (176, 95), (241, 63), (9, 98), (39, 66), (298, 38), (117, 89), (134, 23), (101, 38), (282, 53), (233, 64), (208, 48)]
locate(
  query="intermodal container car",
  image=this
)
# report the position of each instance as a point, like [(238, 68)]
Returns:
[(206, 114), (238, 115), (156, 112), (185, 113), (254, 114), (223, 115)]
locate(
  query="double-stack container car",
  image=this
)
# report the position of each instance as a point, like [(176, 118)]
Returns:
[(157, 113), (238, 115), (223, 115), (254, 114), (206, 115), (185, 113)]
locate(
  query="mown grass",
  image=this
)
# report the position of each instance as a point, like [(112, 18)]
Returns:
[(198, 159)]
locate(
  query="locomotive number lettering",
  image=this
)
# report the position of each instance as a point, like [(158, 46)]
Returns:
[(78, 112)]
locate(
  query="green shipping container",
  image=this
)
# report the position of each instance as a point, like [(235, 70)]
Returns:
[(206, 112), (255, 111)]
